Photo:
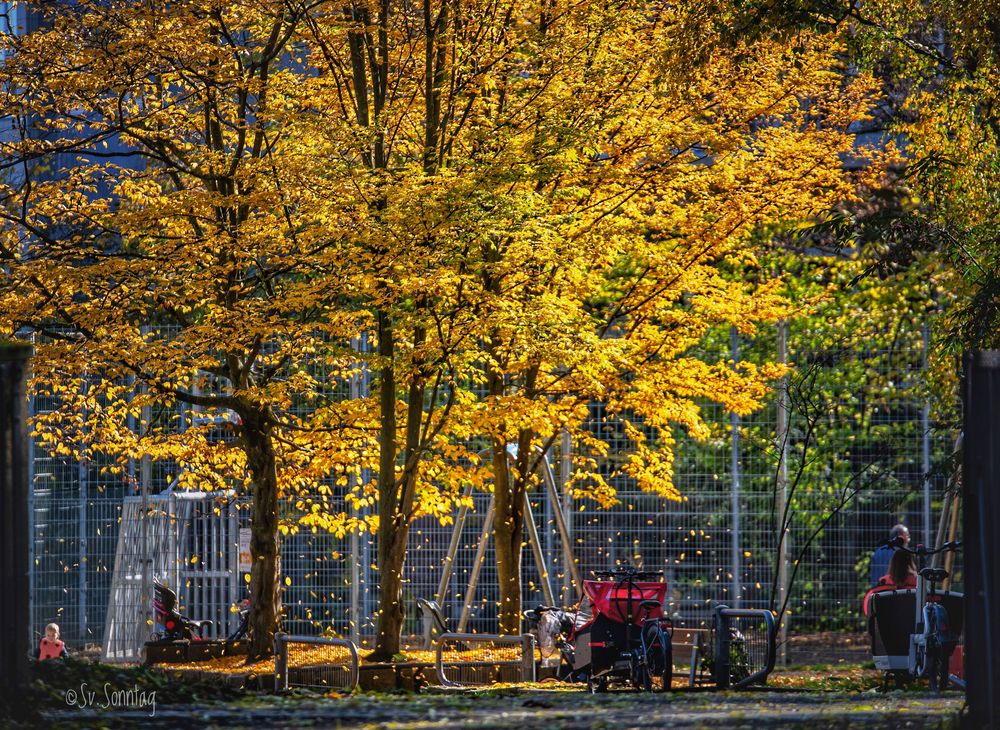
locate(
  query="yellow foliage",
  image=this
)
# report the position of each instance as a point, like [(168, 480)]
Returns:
[(546, 208)]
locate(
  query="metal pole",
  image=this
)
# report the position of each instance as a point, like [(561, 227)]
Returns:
[(926, 443), (735, 557), (449, 560), (723, 640), (549, 508), (83, 469), (543, 569), (14, 535), (470, 591), (145, 564), (367, 576), (354, 621), (145, 426), (235, 579), (566, 517), (781, 494), (31, 523), (571, 577)]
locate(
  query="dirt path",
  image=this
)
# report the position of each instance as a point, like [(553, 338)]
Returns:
[(828, 647), (548, 709)]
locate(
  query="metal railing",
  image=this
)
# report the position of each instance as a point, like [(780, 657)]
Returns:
[(316, 672), (744, 647), (488, 666)]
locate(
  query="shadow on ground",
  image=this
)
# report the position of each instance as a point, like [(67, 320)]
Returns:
[(551, 709)]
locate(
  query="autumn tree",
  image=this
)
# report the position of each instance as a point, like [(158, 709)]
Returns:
[(551, 189), (156, 240), (524, 205), (647, 202)]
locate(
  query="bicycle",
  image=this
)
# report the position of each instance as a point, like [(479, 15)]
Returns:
[(608, 644), (936, 626)]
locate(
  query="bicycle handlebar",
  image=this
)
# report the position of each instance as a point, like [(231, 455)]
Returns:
[(628, 572), (897, 543)]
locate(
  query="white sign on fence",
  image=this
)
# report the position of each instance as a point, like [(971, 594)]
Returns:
[(245, 558)]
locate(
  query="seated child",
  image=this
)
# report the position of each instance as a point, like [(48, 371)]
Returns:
[(51, 647), (902, 575)]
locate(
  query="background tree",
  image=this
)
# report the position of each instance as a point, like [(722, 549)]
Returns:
[(937, 62)]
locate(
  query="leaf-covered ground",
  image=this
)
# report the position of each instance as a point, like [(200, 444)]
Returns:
[(821, 696)]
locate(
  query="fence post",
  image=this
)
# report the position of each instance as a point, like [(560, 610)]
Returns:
[(528, 668), (566, 509), (781, 495), (722, 640), (981, 476), (14, 538), (280, 662), (925, 444), (83, 477), (736, 559)]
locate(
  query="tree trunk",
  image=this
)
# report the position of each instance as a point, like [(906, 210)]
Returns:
[(396, 512), (508, 528), (509, 491), (389, 621), (392, 540), (265, 601)]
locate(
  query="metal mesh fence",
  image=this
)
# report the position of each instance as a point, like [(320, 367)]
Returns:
[(861, 455)]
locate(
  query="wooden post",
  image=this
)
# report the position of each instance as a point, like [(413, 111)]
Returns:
[(981, 502), (14, 538)]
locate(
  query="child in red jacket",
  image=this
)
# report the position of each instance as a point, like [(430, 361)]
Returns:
[(51, 647)]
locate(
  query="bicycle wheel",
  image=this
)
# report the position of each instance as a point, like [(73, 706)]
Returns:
[(934, 659), (640, 676), (944, 678), (666, 674), (659, 657)]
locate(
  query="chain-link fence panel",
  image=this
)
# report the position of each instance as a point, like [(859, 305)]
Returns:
[(860, 453)]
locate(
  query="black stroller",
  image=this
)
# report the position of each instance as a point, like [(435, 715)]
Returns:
[(170, 624)]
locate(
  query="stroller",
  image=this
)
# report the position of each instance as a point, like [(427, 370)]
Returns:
[(628, 639), (551, 626), (170, 624)]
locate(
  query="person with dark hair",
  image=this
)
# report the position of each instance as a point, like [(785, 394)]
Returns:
[(902, 571), (900, 575), (882, 556)]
